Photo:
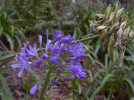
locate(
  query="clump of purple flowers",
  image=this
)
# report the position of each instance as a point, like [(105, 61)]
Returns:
[(59, 56)]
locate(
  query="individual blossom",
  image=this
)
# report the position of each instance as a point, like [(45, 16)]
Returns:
[(23, 63), (44, 56), (32, 51), (77, 70), (55, 49), (76, 49), (38, 63), (54, 60), (57, 35)]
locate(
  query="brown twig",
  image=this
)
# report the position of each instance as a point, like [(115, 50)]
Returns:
[(3, 45)]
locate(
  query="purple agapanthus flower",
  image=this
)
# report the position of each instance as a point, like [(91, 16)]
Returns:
[(59, 56)]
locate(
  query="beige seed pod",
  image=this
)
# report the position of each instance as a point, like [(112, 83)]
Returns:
[(111, 17), (123, 24), (103, 33), (96, 24), (108, 11), (101, 27), (131, 34), (111, 42), (126, 33), (100, 21), (100, 15), (115, 26), (123, 19), (119, 12)]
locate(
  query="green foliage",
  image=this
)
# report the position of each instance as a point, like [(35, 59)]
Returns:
[(9, 30), (5, 93), (35, 15)]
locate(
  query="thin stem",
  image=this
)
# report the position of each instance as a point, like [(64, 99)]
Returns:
[(45, 85), (85, 39)]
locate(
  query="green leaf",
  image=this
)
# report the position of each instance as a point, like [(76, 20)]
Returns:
[(19, 42), (6, 88), (130, 83), (106, 63), (7, 56), (79, 88), (106, 78), (10, 41), (2, 94), (90, 75), (1, 30), (4, 52)]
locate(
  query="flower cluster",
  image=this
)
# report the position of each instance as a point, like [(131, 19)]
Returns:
[(59, 56)]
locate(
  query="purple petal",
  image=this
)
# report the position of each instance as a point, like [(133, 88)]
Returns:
[(16, 65), (34, 89), (40, 39), (20, 73), (62, 51), (67, 39), (47, 45)]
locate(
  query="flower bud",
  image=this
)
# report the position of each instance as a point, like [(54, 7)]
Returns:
[(34, 89)]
